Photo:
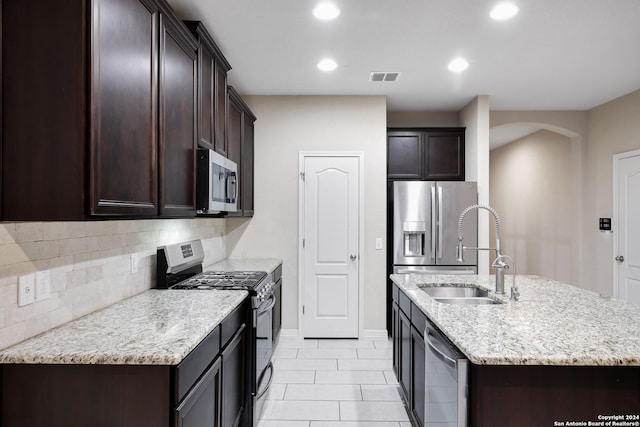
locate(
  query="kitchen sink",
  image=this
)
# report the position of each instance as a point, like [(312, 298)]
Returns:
[(454, 292), (468, 301), (459, 295)]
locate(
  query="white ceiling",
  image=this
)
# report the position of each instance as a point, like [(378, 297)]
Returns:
[(555, 54)]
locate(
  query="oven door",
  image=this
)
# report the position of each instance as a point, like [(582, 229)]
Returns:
[(264, 351)]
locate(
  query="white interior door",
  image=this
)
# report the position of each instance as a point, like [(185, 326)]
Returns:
[(330, 227), (627, 213)]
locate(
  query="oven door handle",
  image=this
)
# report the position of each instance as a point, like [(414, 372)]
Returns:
[(271, 304), (270, 369)]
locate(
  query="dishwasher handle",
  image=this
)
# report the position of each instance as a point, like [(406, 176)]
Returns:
[(432, 346)]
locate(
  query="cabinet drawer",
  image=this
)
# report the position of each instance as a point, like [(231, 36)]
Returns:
[(232, 322), (405, 303), (418, 319), (394, 292), (190, 369)]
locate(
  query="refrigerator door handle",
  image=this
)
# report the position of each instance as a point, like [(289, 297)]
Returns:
[(433, 222), (439, 222)]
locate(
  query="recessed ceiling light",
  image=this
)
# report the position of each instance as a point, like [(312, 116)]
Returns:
[(503, 11), (327, 64), (458, 65), (326, 11)]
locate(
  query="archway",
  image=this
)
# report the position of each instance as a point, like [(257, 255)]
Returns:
[(536, 185)]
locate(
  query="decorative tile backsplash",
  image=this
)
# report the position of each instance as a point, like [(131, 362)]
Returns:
[(91, 264)]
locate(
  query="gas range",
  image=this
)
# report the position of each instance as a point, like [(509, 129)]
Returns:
[(179, 266), (257, 283)]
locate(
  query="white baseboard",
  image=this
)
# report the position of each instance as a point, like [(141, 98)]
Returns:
[(375, 334), (288, 333), (368, 334)]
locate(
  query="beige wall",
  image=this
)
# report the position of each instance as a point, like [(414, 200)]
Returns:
[(613, 128), (475, 118), (422, 119), (90, 265), (531, 188), (287, 125)]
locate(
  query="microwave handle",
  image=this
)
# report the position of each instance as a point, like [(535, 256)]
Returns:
[(232, 187)]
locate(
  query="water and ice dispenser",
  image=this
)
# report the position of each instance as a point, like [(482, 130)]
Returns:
[(414, 235)]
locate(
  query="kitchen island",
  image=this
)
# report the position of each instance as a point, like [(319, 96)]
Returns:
[(558, 354), (145, 361)]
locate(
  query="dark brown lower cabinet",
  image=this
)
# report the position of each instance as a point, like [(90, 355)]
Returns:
[(516, 395), (506, 396), (404, 332), (417, 376), (201, 407), (408, 355), (85, 395), (233, 379), (207, 388)]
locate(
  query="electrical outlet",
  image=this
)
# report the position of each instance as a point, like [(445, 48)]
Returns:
[(43, 285), (26, 291), (135, 260)]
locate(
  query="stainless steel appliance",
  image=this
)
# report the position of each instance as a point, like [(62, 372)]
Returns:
[(425, 226), (216, 184), (446, 382), (179, 266)]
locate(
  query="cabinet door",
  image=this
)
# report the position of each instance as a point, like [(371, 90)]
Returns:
[(404, 336), (177, 91), (220, 108), (123, 174), (444, 155), (234, 145), (234, 366), (201, 407), (404, 156), (206, 103), (395, 337), (247, 165), (417, 376)]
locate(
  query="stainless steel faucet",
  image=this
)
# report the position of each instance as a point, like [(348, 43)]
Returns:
[(498, 264)]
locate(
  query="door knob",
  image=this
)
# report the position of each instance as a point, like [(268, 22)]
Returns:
[(353, 257), (620, 258)]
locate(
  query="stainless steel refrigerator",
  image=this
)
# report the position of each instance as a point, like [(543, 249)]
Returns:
[(425, 226)]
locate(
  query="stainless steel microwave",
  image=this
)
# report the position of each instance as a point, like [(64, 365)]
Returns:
[(217, 183)]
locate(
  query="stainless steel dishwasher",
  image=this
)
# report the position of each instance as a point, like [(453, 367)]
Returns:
[(446, 382)]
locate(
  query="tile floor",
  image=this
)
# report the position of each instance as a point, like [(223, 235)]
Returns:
[(333, 383)]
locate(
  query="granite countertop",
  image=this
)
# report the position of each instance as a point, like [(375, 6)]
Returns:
[(248, 264), (157, 327), (552, 323)]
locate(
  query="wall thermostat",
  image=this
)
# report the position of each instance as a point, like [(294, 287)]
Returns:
[(605, 224)]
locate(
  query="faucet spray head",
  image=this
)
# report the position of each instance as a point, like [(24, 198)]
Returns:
[(460, 251)]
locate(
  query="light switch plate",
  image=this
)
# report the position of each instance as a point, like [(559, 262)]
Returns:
[(26, 289), (378, 243), (43, 285)]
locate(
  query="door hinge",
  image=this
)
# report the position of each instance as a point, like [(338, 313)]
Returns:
[(303, 243), (302, 176), (303, 309)]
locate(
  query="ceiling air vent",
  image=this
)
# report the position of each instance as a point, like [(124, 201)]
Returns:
[(380, 76)]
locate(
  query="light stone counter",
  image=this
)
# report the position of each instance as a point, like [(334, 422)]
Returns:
[(249, 264), (552, 323), (158, 327)]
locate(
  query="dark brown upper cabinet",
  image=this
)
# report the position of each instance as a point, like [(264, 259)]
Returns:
[(102, 116), (212, 90), (178, 137), (425, 154), (240, 144)]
